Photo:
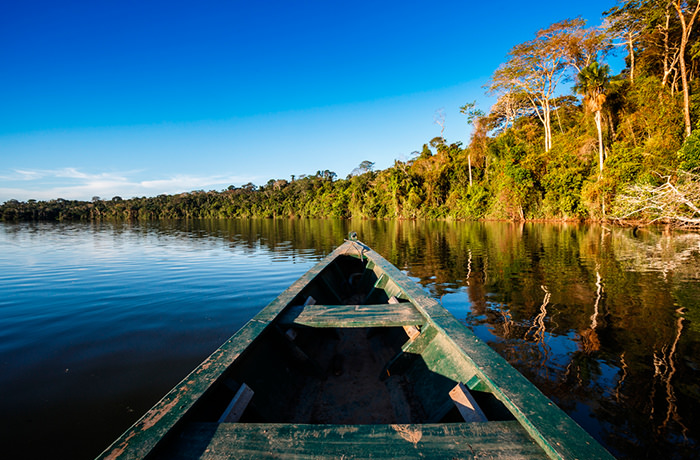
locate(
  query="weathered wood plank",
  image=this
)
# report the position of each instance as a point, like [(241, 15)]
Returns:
[(238, 404), (148, 431), (494, 440), (378, 315), (378, 288), (468, 359), (466, 405), (411, 331), (557, 434)]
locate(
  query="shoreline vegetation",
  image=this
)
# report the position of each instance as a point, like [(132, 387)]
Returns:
[(614, 148)]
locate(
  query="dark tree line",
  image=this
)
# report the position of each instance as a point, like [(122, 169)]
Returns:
[(540, 152)]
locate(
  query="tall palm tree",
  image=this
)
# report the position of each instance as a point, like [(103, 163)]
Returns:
[(592, 82)]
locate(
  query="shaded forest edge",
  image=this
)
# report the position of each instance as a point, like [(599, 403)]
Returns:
[(614, 147)]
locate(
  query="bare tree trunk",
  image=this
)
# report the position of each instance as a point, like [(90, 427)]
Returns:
[(686, 29), (547, 127), (469, 159), (630, 43), (664, 32), (686, 91), (601, 152), (674, 84), (544, 118)]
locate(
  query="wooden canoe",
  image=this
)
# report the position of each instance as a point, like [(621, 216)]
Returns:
[(354, 360)]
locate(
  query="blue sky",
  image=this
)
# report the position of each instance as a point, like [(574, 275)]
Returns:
[(139, 98)]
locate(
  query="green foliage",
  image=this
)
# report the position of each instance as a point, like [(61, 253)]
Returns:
[(563, 183), (653, 120), (469, 109), (513, 181), (517, 164), (625, 163), (592, 83), (623, 166), (689, 154)]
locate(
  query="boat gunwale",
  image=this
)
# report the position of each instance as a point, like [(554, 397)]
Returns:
[(564, 439), (557, 433), (145, 434)]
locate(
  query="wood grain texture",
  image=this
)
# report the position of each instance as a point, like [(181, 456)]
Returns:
[(379, 315), (495, 440)]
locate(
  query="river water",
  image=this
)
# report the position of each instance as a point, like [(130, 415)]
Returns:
[(99, 320)]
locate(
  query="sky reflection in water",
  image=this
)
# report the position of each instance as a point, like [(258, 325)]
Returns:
[(100, 320)]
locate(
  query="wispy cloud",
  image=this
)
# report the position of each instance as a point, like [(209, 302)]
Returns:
[(73, 173), (75, 184), (22, 175)]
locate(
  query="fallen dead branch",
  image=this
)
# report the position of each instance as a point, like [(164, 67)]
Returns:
[(676, 201)]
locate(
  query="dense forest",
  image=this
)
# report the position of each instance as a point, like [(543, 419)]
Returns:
[(565, 139)]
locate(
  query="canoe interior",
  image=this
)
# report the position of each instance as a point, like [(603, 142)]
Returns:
[(354, 360), (341, 375)]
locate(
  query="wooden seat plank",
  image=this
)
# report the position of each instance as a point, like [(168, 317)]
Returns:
[(376, 315), (501, 440)]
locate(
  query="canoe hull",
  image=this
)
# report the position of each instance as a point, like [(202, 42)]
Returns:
[(354, 359)]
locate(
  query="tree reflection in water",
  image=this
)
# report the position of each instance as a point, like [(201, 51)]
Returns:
[(593, 316), (664, 370), (604, 321), (537, 331)]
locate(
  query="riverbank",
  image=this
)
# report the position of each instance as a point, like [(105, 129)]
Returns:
[(142, 209)]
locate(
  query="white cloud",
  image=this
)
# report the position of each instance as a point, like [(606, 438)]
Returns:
[(74, 184), (23, 175)]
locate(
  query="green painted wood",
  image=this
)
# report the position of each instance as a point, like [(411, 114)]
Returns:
[(144, 435), (554, 430), (434, 374), (148, 431), (410, 351), (379, 315), (447, 352), (559, 435), (495, 440), (377, 288)]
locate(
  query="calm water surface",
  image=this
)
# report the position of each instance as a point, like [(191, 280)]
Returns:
[(99, 321)]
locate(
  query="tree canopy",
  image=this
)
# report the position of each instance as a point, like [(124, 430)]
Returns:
[(535, 154)]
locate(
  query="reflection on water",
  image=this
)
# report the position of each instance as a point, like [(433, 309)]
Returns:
[(605, 321)]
